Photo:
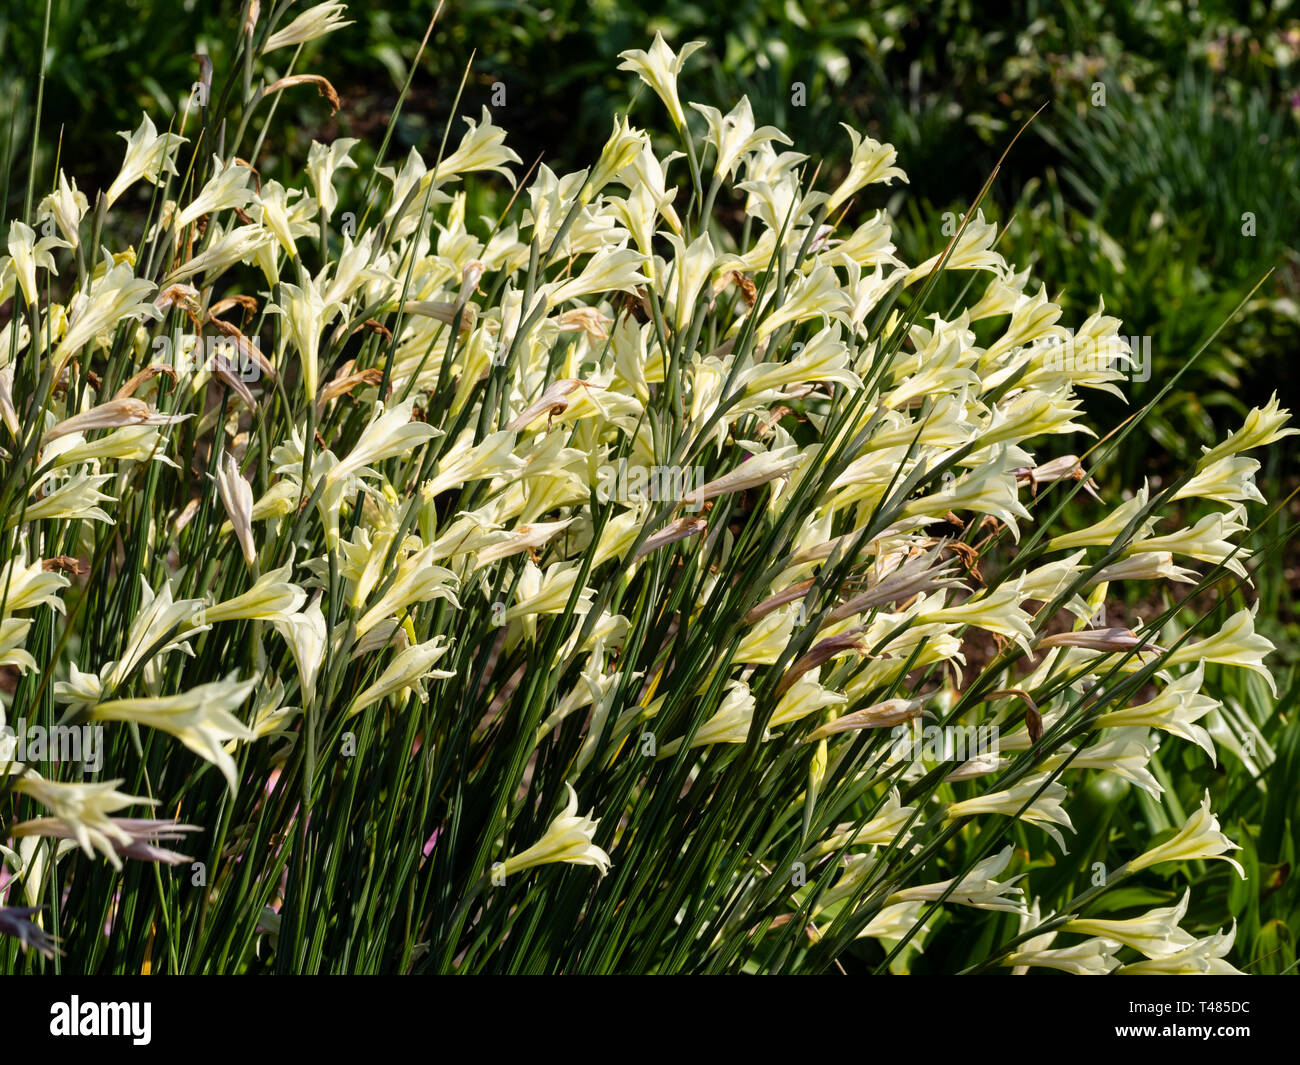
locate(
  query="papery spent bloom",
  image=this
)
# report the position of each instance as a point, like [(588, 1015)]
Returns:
[(135, 838), (17, 921), (313, 23), (237, 497), (1199, 838), (149, 155), (200, 718), (111, 415), (659, 68), (567, 839)]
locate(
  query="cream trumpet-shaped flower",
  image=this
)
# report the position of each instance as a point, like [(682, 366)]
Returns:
[(972, 250), (406, 672), (823, 359), (8, 413), (226, 190), (515, 541), (132, 443), (84, 808), (1264, 425), (1104, 532), (990, 489), (980, 888), (273, 597), (74, 500), (466, 461), (313, 23), (225, 248), (161, 626), (624, 145), (567, 839), (804, 698), (759, 468), (1209, 540), (689, 272), (1147, 566), (1175, 710), (28, 255), (13, 634), (306, 634), (881, 830), (481, 148), (417, 581), (997, 611), (730, 724), (149, 155), (871, 162), (112, 415), (67, 205), (200, 718), (1199, 838), (659, 68), (547, 593), (237, 497), (1124, 751), (305, 314), (322, 163), (391, 432), (1044, 810), (733, 135), (1230, 479), (274, 210), (26, 586), (1236, 644), (1092, 957), (1200, 957), (116, 297), (609, 270), (817, 293), (1155, 934)]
